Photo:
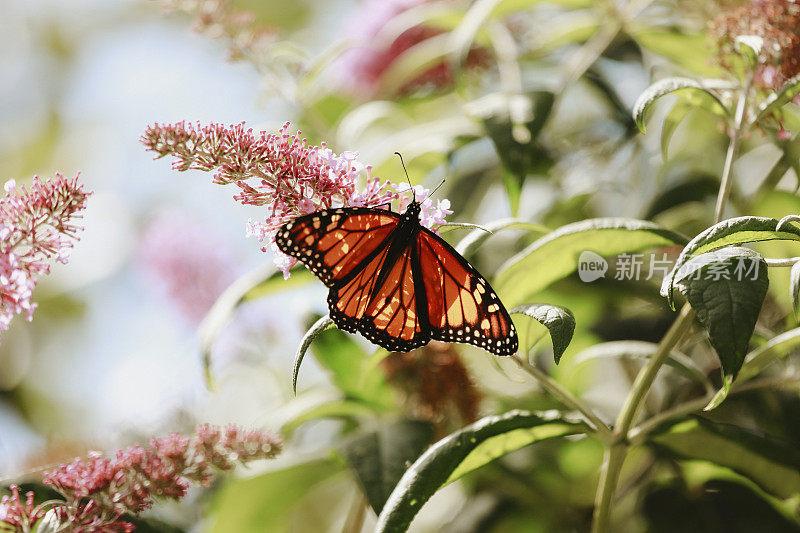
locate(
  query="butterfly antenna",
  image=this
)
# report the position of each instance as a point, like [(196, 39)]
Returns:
[(398, 154), (437, 187)]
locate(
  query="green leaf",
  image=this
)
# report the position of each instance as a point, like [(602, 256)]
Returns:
[(729, 232), (334, 409), (258, 283), (777, 347), (519, 157), (641, 350), (555, 255), (671, 123), (687, 50), (779, 99), (474, 239), (319, 326), (727, 308), (749, 46), (381, 457), (463, 451), (772, 464), (691, 91), (250, 503), (352, 371), (559, 321)]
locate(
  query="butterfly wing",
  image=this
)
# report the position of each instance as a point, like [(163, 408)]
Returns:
[(334, 242), (387, 314), (461, 305)]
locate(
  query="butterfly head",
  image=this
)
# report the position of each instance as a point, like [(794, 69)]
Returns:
[(413, 209)]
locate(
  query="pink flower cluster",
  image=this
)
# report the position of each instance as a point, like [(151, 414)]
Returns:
[(35, 226), (279, 171), (99, 490), (186, 262)]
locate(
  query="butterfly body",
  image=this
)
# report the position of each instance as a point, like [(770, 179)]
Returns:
[(395, 281)]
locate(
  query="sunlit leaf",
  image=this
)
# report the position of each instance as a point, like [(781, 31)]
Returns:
[(344, 409), (555, 255), (688, 50), (779, 99), (258, 283), (463, 451), (687, 89), (474, 239), (671, 123), (250, 503)]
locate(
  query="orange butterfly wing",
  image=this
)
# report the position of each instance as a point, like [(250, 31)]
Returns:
[(333, 242), (461, 305)]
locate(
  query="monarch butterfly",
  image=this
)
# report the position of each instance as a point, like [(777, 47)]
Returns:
[(395, 281)]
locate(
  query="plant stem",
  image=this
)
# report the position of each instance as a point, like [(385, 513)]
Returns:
[(564, 396), (616, 452)]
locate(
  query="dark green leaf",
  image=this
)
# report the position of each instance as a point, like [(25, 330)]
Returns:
[(555, 255), (691, 91), (381, 457), (559, 321), (464, 451), (729, 232), (726, 288), (772, 464), (319, 326)]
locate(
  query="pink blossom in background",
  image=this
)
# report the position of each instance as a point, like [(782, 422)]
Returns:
[(278, 171), (361, 68), (98, 491), (187, 262), (35, 227)]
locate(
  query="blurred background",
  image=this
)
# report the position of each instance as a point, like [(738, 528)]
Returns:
[(534, 121)]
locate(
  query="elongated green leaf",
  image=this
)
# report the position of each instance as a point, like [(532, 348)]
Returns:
[(352, 370), (779, 99), (463, 451), (556, 255), (334, 409), (559, 321), (380, 458), (671, 123), (729, 232), (319, 326), (248, 504), (772, 464), (684, 49), (258, 283), (688, 89), (641, 350), (775, 348), (474, 239), (726, 288)]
